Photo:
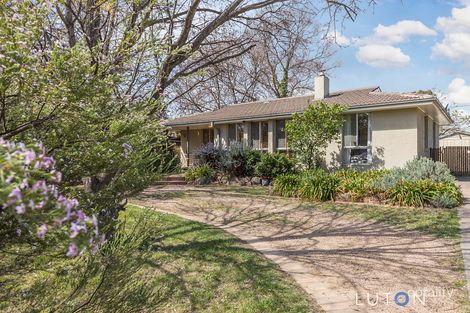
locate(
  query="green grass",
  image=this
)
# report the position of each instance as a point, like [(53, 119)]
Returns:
[(442, 223), (157, 263)]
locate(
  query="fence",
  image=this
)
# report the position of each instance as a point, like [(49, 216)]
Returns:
[(457, 158)]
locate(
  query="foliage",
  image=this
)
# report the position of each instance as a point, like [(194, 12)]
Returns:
[(234, 162), (287, 185), (417, 193), (318, 185), (157, 261), (310, 133), (210, 155), (201, 175), (60, 96), (30, 201), (358, 184), (413, 193), (414, 170), (272, 165), (253, 157)]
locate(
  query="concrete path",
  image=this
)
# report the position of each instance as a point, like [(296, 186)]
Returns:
[(464, 218), (346, 265)]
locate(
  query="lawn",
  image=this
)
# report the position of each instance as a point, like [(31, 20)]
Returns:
[(157, 263), (442, 223)]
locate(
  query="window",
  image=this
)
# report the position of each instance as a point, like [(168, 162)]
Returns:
[(264, 136), (356, 139), (240, 132), (281, 134), (426, 132), (255, 135), (205, 136), (232, 133)]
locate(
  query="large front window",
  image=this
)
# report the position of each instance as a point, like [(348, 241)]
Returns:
[(356, 139)]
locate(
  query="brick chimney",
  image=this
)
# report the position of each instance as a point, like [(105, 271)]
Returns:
[(322, 86)]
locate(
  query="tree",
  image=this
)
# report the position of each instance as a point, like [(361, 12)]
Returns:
[(283, 63), (310, 133)]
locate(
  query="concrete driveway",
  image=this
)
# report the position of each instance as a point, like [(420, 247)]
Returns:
[(345, 264)]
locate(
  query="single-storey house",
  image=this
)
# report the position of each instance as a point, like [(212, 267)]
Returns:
[(381, 129), (455, 138)]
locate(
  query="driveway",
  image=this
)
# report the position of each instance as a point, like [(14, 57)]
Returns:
[(345, 264)]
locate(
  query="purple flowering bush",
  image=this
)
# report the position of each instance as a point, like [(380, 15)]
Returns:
[(31, 203)]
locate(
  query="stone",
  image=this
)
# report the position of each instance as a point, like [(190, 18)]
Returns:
[(256, 180), (265, 182)]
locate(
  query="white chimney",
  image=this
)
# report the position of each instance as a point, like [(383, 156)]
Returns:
[(322, 86)]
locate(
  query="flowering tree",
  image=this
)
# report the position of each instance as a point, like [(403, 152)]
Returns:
[(31, 204)]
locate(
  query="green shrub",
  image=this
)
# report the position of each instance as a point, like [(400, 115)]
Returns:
[(253, 157), (413, 193), (318, 185), (358, 184), (287, 185), (201, 175), (421, 192), (414, 170), (273, 165), (448, 195)]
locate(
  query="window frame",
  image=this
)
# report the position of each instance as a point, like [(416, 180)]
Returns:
[(349, 148)]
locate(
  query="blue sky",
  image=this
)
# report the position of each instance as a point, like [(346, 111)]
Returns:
[(406, 45)]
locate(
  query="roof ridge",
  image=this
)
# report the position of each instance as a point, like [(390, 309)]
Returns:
[(374, 87), (397, 93)]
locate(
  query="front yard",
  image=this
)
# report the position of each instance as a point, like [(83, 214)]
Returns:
[(158, 263), (337, 252)]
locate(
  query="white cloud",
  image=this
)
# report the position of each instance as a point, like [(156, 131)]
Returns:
[(382, 56), (456, 42), (458, 92), (397, 33), (340, 39)]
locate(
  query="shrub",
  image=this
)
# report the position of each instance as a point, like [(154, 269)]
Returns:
[(318, 185), (31, 203), (421, 192), (209, 155), (253, 157), (448, 195), (413, 193), (235, 161), (201, 175), (414, 170), (287, 185), (273, 165), (358, 184)]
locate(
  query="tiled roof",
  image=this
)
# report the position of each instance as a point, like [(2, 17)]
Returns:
[(285, 106)]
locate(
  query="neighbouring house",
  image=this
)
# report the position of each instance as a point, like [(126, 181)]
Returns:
[(455, 138), (381, 129)]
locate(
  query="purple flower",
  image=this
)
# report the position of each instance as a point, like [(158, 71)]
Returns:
[(73, 250), (40, 205), (9, 178), (29, 156), (42, 231), (16, 193), (20, 209), (80, 216), (76, 228), (40, 184)]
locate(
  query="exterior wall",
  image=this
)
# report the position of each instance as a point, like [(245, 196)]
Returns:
[(394, 137), (195, 142)]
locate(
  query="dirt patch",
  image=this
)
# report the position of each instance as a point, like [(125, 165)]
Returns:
[(345, 264)]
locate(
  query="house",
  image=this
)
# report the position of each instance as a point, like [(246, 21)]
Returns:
[(455, 138), (381, 129)]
